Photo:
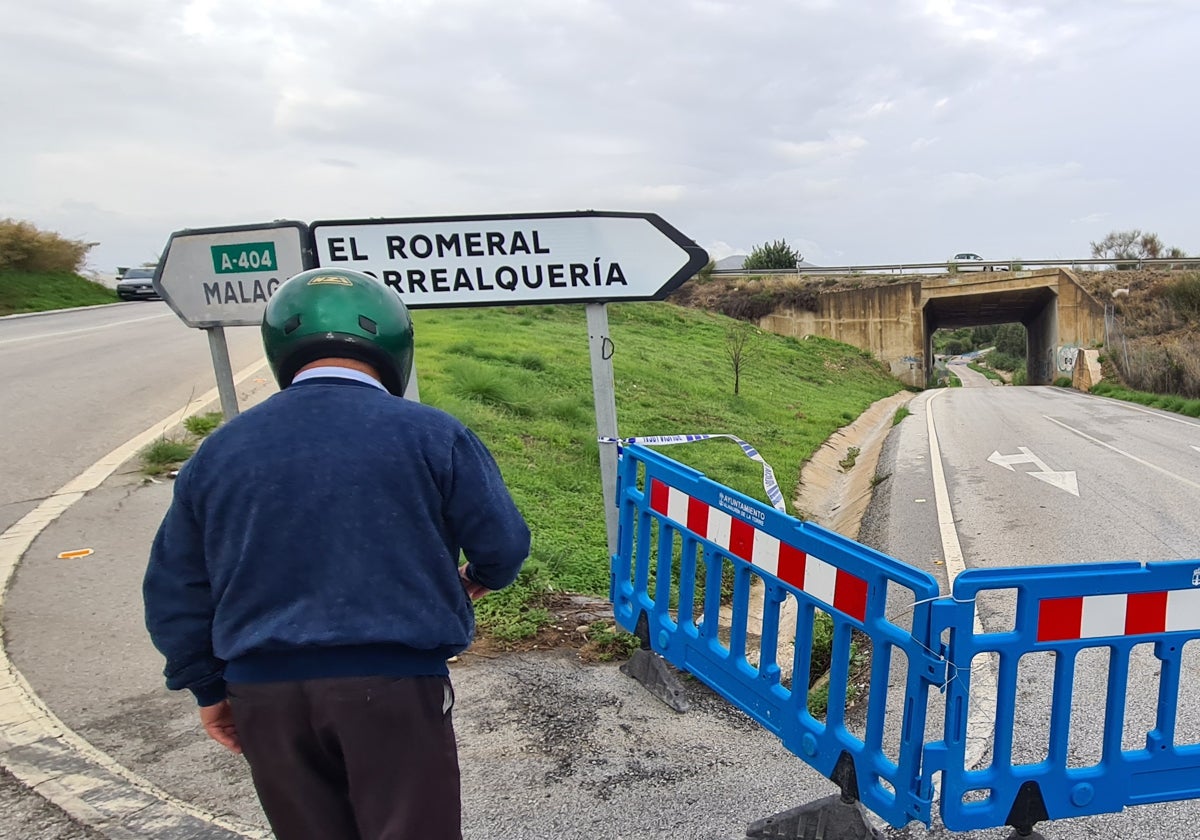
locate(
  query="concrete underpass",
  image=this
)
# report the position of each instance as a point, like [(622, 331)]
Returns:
[(896, 321)]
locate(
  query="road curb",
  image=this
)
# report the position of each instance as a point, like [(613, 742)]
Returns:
[(70, 309), (48, 757)]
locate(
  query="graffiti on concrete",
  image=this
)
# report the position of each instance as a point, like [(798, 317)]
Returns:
[(1066, 358)]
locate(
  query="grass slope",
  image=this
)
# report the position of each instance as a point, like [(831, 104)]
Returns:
[(520, 377), (21, 292)]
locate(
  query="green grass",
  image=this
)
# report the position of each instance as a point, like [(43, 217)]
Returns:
[(900, 414), (520, 377), (606, 642), (851, 456), (202, 425), (1166, 402), (166, 454), (20, 292)]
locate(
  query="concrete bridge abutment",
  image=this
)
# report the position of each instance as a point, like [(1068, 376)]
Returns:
[(896, 321)]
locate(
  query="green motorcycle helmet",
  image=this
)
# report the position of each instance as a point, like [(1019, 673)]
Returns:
[(336, 313)]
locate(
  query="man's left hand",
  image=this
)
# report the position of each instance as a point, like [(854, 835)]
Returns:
[(218, 723)]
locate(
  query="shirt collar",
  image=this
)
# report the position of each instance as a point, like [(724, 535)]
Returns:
[(337, 373)]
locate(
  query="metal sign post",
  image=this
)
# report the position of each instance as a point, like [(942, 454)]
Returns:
[(604, 396), (223, 371)]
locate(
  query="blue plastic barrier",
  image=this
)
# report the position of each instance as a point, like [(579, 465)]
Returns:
[(1067, 610), (684, 538), (673, 521)]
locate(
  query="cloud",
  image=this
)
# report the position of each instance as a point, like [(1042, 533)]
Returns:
[(837, 145), (888, 137)]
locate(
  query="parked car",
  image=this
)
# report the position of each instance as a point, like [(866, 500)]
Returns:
[(135, 285)]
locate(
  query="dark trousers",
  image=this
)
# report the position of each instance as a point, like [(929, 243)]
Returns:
[(362, 758)]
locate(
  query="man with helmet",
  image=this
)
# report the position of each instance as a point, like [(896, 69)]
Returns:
[(305, 583)]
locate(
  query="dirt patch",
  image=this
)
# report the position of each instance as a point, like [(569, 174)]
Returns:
[(582, 623)]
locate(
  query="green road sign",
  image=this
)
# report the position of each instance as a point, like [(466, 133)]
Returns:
[(244, 257)]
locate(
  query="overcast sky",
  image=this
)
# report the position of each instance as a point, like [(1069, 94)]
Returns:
[(859, 130)]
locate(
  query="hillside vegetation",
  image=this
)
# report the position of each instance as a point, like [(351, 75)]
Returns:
[(521, 378), (1154, 339), (38, 271), (37, 292)]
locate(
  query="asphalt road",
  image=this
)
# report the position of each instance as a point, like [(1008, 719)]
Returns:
[(1090, 480), (968, 377), (78, 383)]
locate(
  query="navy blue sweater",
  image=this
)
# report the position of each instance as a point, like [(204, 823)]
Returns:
[(318, 535)]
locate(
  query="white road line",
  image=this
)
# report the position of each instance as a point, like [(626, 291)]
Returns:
[(1131, 457), (983, 671), (83, 329), (70, 766)]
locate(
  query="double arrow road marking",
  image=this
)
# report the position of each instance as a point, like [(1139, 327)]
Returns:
[(1061, 480)]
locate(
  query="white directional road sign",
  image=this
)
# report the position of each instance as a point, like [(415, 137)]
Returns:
[(222, 277), (581, 257)]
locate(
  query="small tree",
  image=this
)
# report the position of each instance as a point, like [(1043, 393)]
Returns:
[(1128, 247), (1011, 339), (776, 255), (738, 348)]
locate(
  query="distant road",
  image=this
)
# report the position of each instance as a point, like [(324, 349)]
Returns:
[(77, 383), (968, 377)]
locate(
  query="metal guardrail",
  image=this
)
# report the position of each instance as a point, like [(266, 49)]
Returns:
[(964, 267)]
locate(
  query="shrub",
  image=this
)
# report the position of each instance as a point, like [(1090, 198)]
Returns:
[(203, 425), (26, 249), (165, 454), (1004, 361), (772, 255), (1184, 294)]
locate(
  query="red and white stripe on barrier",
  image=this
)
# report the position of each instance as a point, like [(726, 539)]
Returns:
[(830, 585), (1132, 614)]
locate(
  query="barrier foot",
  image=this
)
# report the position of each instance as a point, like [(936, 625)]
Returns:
[(652, 671), (837, 817), (1028, 810)]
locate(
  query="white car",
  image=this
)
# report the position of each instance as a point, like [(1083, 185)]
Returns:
[(966, 262)]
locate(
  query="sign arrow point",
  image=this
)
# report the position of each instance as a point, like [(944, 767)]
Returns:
[(1061, 480), (997, 458)]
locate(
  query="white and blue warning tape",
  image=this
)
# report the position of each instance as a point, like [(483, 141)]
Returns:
[(770, 485)]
